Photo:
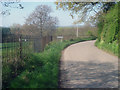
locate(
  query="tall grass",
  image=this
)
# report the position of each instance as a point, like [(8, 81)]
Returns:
[(12, 65)]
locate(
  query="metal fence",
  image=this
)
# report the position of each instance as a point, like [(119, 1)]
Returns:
[(19, 45), (17, 48)]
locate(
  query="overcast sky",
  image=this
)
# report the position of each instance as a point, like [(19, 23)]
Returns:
[(18, 15)]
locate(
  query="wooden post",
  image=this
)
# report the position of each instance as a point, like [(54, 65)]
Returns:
[(77, 32), (51, 38), (20, 42)]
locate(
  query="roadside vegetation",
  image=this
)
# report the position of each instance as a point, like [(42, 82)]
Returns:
[(12, 65), (108, 31), (41, 69)]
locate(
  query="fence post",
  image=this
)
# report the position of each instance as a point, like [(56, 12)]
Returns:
[(20, 42), (51, 37)]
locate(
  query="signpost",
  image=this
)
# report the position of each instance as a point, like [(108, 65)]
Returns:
[(60, 37)]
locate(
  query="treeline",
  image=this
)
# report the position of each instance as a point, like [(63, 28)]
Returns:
[(5, 31), (108, 33), (6, 34), (9, 34)]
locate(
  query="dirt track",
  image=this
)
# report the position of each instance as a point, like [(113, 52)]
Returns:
[(85, 66)]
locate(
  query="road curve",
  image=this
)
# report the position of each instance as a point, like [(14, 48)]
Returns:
[(85, 66)]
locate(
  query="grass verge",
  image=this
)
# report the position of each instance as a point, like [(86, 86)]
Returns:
[(111, 48), (41, 70)]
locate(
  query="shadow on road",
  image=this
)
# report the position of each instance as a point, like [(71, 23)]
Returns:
[(79, 74)]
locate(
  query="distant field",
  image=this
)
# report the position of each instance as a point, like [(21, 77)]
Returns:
[(8, 45), (70, 32), (12, 45), (11, 50)]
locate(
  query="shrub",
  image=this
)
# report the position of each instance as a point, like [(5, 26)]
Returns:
[(108, 31)]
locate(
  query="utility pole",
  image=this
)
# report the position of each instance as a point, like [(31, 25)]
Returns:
[(77, 31)]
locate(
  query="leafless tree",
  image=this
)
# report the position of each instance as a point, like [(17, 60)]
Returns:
[(15, 29), (52, 26), (41, 19)]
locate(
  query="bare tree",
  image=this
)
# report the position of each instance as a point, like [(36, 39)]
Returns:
[(41, 19), (40, 22), (15, 29), (51, 26)]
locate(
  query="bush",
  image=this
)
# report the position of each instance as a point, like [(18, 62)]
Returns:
[(108, 32)]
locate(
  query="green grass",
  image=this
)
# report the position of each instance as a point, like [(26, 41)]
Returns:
[(11, 62), (111, 48), (41, 69), (13, 48), (9, 45)]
